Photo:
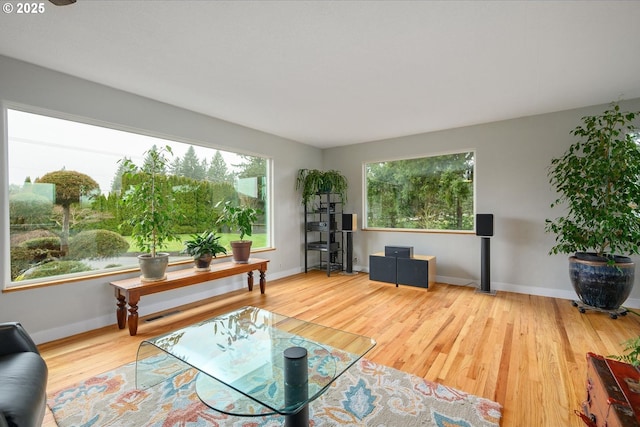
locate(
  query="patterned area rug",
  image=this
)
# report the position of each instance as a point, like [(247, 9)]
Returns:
[(367, 394)]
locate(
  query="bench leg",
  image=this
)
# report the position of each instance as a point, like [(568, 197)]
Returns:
[(263, 281), (121, 311), (250, 280), (133, 315)]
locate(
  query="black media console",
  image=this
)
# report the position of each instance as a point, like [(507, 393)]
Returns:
[(398, 264)]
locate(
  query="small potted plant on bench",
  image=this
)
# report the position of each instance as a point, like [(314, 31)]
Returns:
[(203, 248), (240, 219)]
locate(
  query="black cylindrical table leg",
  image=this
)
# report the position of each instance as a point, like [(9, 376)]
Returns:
[(296, 385)]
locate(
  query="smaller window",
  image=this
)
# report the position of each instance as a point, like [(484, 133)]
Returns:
[(426, 193)]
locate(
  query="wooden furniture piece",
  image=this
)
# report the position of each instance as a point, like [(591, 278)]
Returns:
[(419, 270), (613, 393), (129, 291)]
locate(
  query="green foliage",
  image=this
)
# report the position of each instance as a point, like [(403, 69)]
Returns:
[(632, 352), (239, 218), (433, 192), (252, 167), (70, 186), (45, 243), (29, 209), (598, 179), (196, 201), (203, 244), (313, 181), (190, 166), (54, 268), (218, 171), (259, 240), (97, 244), (21, 260), (149, 201), (33, 251)]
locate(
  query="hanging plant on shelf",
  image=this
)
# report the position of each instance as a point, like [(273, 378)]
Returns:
[(314, 181)]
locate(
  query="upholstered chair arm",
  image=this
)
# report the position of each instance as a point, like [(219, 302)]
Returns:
[(15, 339)]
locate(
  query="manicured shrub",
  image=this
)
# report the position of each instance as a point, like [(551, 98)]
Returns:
[(54, 268), (44, 243), (21, 260), (95, 244), (29, 210)]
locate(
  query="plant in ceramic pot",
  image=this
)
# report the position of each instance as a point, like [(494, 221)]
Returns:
[(148, 205), (313, 181), (203, 248), (241, 220), (598, 182)]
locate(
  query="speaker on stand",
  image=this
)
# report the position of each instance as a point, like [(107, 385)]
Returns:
[(484, 228), (349, 225)]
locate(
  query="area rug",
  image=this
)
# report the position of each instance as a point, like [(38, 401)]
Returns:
[(367, 394)]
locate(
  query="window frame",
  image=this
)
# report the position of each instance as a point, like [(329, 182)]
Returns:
[(5, 234), (365, 201)]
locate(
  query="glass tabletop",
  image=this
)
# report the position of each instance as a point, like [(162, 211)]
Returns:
[(241, 364)]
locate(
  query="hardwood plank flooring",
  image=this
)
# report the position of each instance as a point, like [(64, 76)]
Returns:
[(525, 352)]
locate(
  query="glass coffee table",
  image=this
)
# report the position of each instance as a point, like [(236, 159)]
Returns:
[(252, 362)]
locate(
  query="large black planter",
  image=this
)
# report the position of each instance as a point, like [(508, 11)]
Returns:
[(599, 284)]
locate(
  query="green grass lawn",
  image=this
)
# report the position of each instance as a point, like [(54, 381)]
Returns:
[(259, 241)]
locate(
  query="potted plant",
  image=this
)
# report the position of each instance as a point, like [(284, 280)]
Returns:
[(314, 181), (148, 205), (203, 248), (241, 220), (598, 180)]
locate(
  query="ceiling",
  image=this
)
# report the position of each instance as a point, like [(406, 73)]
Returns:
[(330, 73)]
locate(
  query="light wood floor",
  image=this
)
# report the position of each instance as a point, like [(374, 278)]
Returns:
[(525, 352)]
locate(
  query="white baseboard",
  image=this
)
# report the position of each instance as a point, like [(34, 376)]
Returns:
[(519, 289), (229, 285), (239, 282)]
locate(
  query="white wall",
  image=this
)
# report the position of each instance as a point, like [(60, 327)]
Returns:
[(57, 311), (511, 182)]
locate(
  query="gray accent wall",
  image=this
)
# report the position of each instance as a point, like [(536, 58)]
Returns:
[(512, 157), (511, 182)]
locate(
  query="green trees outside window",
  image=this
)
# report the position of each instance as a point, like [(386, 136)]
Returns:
[(427, 193), (66, 186)]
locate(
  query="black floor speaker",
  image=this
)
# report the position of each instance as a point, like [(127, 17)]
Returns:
[(484, 228), (484, 224)]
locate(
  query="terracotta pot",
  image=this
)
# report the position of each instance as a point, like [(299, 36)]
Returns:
[(241, 250)]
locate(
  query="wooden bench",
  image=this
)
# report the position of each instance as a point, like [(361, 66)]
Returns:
[(129, 291)]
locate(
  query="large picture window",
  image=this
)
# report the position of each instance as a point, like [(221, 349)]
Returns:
[(65, 190), (426, 193)]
